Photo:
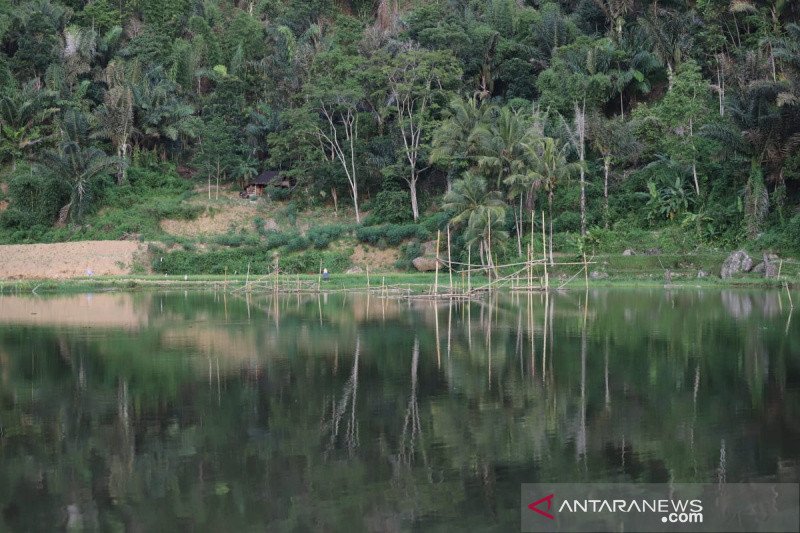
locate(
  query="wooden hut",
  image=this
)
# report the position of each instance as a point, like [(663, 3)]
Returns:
[(258, 184)]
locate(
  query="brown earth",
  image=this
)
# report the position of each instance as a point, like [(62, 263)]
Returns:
[(68, 259), (375, 259)]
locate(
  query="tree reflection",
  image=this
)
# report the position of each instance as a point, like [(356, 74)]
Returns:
[(303, 412)]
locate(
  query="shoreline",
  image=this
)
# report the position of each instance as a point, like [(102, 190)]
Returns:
[(417, 284)]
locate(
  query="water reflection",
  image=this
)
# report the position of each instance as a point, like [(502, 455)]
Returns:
[(160, 411)]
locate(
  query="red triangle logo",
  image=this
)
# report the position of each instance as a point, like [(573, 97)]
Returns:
[(535, 506)]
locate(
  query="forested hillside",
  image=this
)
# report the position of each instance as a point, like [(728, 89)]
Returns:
[(603, 120)]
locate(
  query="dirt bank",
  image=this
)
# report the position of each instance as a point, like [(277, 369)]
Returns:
[(68, 259)]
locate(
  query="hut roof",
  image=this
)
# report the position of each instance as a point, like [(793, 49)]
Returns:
[(266, 177)]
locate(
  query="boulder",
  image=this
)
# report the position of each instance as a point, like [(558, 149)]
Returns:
[(628, 252), (771, 264), (654, 251), (354, 270), (736, 263), (598, 275), (702, 274), (424, 264), (429, 248)]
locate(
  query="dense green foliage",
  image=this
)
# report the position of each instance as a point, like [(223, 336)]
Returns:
[(602, 114)]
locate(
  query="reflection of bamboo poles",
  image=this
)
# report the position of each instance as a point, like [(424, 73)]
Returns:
[(406, 451), (436, 332), (580, 448), (338, 409)]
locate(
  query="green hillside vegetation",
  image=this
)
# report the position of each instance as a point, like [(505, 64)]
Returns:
[(671, 125)]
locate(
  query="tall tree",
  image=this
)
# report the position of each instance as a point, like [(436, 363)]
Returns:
[(417, 81)]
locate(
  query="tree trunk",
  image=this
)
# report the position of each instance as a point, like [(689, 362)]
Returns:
[(412, 186), (354, 194), (694, 160), (550, 216), (518, 220), (335, 201), (606, 172)]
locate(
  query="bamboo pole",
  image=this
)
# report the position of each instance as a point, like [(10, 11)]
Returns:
[(469, 269), (530, 266), (247, 279), (449, 260), (436, 278), (789, 293), (544, 252), (226, 279), (586, 271), (367, 278)]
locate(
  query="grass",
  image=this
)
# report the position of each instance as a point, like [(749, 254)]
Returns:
[(418, 283)]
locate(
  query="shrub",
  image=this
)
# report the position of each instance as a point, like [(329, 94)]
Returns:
[(436, 221), (296, 243), (391, 234), (390, 207), (322, 236), (235, 240), (275, 239), (277, 194), (309, 261), (34, 199), (408, 252)]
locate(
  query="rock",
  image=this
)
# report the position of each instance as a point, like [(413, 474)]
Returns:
[(702, 274), (598, 275), (429, 248), (354, 270), (270, 225), (771, 263), (628, 252), (758, 269), (736, 263), (653, 251), (424, 264)]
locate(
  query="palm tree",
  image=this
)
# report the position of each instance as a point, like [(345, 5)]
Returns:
[(454, 144), (501, 145), (115, 115), (23, 112), (551, 168), (161, 116), (482, 211), (615, 141), (79, 164), (764, 133)]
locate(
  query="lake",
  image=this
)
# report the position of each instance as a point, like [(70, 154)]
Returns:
[(213, 412)]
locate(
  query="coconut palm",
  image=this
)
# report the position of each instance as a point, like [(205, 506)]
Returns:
[(550, 168), (454, 145), (481, 210), (502, 144)]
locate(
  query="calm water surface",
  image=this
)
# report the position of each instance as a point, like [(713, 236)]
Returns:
[(161, 412)]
